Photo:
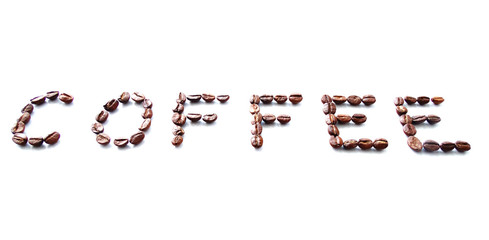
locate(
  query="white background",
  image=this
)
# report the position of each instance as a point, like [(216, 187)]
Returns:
[(216, 186)]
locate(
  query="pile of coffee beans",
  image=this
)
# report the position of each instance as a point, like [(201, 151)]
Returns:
[(98, 127), (18, 129), (256, 122), (329, 109), (409, 129), (179, 118)]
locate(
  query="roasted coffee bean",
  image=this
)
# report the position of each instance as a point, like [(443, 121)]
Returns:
[(25, 117), (137, 138), (97, 128), (124, 98), (121, 142), (350, 144), (358, 118), (36, 141), (177, 140), (335, 141), (178, 119), (447, 146), (343, 118), (409, 129), (181, 98), (38, 100), (283, 119), (111, 105), (257, 118), (326, 99), (147, 103), (329, 108), (414, 143), (417, 119), (398, 101), (269, 118), (266, 98), (333, 130), (177, 130), (401, 110), (145, 125), (209, 118), (331, 119), (52, 95), (462, 146), (257, 141), (365, 143), (194, 98), (338, 99), (381, 143), (19, 127), (179, 108), (423, 100), (148, 113), (431, 145), (52, 138), (280, 98), (222, 98), (437, 100), (405, 119), (103, 139), (28, 108), (255, 99), (295, 98), (256, 129), (138, 97), (254, 108), (369, 99), (20, 139), (102, 116), (208, 97), (66, 98), (194, 117), (410, 100), (432, 119), (354, 100)]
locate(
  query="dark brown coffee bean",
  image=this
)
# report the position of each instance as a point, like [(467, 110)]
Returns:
[(401, 110), (103, 139), (194, 117), (405, 119), (256, 129), (417, 119), (437, 100), (331, 119), (208, 97), (431, 145), (137, 138), (326, 99), (28, 108), (409, 129), (181, 98), (254, 108), (381, 143), (66, 98), (333, 130), (447, 146), (178, 119), (177, 140), (343, 118), (255, 99), (410, 100), (283, 119), (111, 105), (209, 118), (36, 141), (121, 142), (102, 116), (335, 141), (194, 98), (148, 113), (338, 99), (52, 95), (266, 98), (38, 100), (369, 99), (145, 125), (20, 139), (257, 141), (97, 128), (423, 100), (124, 98), (354, 100), (19, 127), (269, 118), (138, 97), (358, 118), (329, 108), (280, 98), (350, 144), (179, 108), (25, 117), (414, 143), (433, 119), (222, 98), (257, 118), (295, 98), (147, 103), (462, 146), (365, 143), (398, 101), (52, 138), (177, 130)]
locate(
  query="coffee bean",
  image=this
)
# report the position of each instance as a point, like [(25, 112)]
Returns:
[(266, 98), (97, 128), (148, 113), (208, 97), (295, 98), (414, 143), (194, 117), (447, 146), (137, 138), (343, 118), (269, 118), (28, 108), (431, 145), (145, 125), (147, 103), (417, 119), (358, 118), (365, 143), (433, 119), (368, 99), (222, 98), (423, 100), (102, 116), (178, 119), (179, 108), (111, 105), (177, 130), (20, 139), (354, 100), (350, 144), (401, 110), (329, 108), (52, 138), (103, 139), (398, 101), (462, 146), (36, 141), (194, 98), (38, 100), (283, 119), (254, 108), (256, 129), (405, 119), (280, 98), (410, 100), (19, 127), (381, 143), (66, 98), (333, 130), (409, 129), (335, 141), (326, 99), (52, 95), (437, 100), (177, 140), (209, 118), (255, 99), (121, 142), (124, 98), (331, 119), (257, 141), (138, 97), (181, 98), (25, 117), (257, 118)]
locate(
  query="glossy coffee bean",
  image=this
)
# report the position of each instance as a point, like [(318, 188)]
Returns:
[(52, 95), (137, 138), (178, 119), (20, 139), (38, 100), (409, 129), (124, 98), (414, 143), (431, 146), (19, 127), (148, 113), (401, 110), (36, 141), (381, 143), (338, 99), (410, 100), (256, 129), (257, 118), (331, 119), (422, 100), (254, 108), (255, 99), (358, 118), (179, 108), (28, 108), (405, 119), (102, 116), (335, 141), (280, 98), (121, 142), (194, 117), (209, 118), (333, 130), (437, 100), (269, 118), (418, 119), (283, 119), (138, 97), (326, 99), (433, 119), (266, 98), (66, 98), (354, 100), (222, 98), (462, 146), (97, 128), (398, 101), (365, 143), (177, 130), (25, 118), (350, 144), (208, 97), (177, 140), (52, 138), (145, 125), (111, 105), (369, 99), (181, 98), (343, 118), (103, 139), (147, 103), (447, 146), (194, 98), (295, 98), (257, 141), (329, 108)]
